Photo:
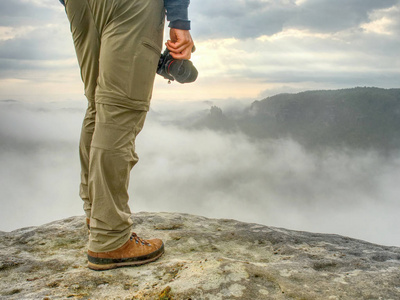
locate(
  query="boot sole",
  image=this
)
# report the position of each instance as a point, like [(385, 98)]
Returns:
[(103, 267)]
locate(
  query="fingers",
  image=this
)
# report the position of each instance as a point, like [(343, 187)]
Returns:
[(185, 54), (176, 49), (180, 44)]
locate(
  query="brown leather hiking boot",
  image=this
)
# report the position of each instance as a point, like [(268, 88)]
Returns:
[(134, 252)]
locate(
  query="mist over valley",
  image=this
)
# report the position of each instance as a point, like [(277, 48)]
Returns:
[(322, 161)]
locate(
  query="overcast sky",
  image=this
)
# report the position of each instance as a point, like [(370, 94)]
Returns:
[(245, 49)]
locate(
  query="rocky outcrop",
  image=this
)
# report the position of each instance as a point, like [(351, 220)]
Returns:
[(204, 259)]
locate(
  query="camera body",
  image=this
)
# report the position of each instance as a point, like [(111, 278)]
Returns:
[(181, 70)]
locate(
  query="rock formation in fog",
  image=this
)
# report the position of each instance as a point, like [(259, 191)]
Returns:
[(204, 259), (357, 118)]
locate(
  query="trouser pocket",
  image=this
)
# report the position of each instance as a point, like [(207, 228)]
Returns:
[(144, 67)]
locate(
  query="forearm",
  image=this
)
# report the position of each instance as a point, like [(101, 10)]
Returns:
[(177, 13)]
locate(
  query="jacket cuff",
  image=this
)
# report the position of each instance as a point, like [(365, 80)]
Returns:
[(175, 12), (180, 24)]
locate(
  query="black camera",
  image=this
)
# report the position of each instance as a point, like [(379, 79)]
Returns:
[(181, 70)]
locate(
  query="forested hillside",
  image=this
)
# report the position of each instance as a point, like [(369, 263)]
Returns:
[(354, 118)]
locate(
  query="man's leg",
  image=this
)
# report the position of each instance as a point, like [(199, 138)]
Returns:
[(84, 151), (129, 35), (131, 39), (87, 46), (112, 157)]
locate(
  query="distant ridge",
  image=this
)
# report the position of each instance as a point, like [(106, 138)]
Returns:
[(356, 118)]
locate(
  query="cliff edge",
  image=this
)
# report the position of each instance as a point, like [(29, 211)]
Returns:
[(204, 259)]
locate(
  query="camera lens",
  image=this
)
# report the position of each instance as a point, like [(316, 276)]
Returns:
[(183, 71)]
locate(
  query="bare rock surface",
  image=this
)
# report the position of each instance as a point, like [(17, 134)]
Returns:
[(204, 259)]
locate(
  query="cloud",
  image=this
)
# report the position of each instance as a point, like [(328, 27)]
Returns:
[(42, 43), (334, 16), (302, 56), (36, 143), (238, 19), (17, 13), (244, 47), (37, 55), (254, 18), (274, 182), (202, 172), (345, 59)]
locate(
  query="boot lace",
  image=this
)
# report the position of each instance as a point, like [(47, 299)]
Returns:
[(139, 240)]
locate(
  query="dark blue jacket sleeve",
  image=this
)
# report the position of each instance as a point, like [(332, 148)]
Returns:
[(177, 13)]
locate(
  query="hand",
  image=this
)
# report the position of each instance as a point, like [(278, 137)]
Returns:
[(180, 44)]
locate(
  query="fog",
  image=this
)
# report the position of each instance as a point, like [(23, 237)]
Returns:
[(276, 183)]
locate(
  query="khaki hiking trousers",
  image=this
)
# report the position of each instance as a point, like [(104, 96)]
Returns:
[(118, 45)]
